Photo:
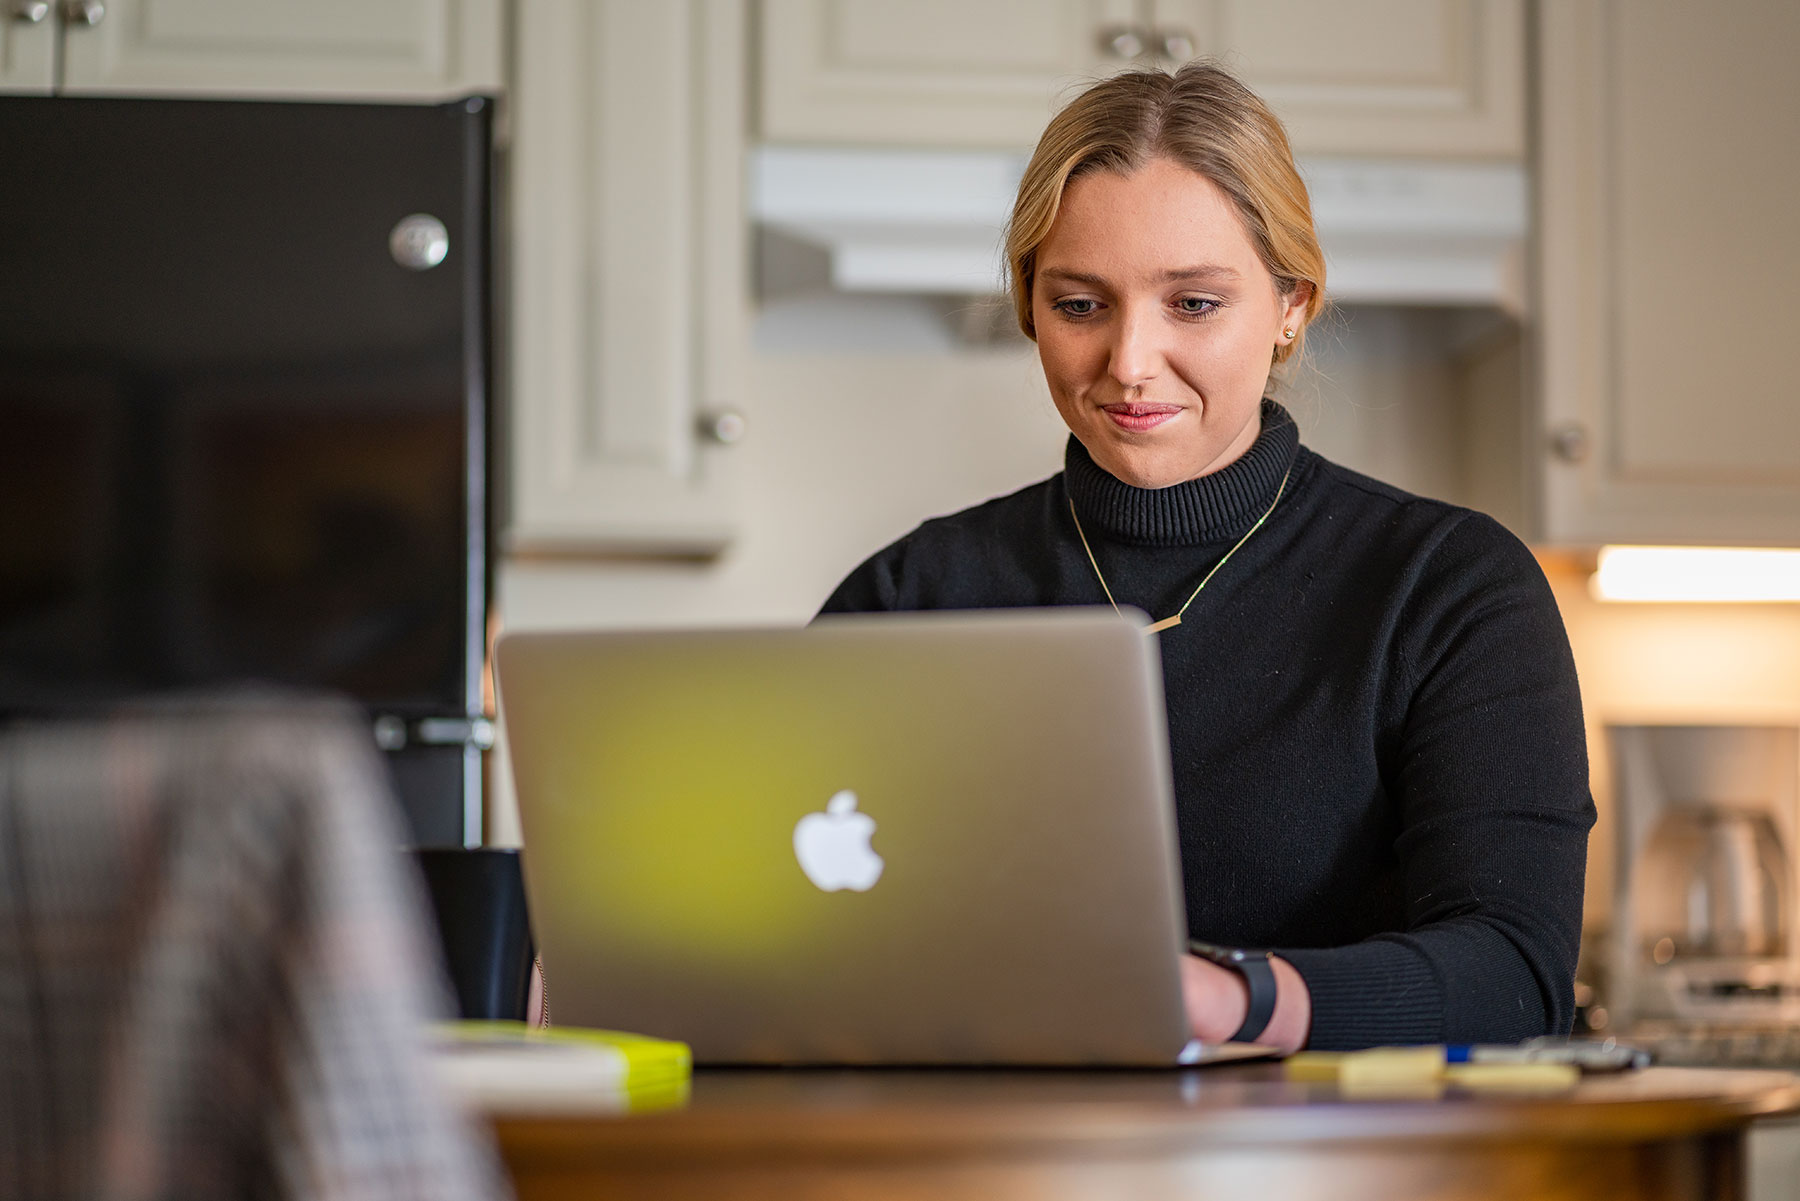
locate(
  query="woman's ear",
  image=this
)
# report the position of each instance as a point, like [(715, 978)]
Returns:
[(1293, 313)]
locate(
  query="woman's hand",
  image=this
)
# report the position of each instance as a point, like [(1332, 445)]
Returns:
[(1217, 1000)]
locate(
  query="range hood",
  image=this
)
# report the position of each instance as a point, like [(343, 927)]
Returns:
[(861, 221)]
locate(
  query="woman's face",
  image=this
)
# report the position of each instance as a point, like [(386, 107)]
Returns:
[(1156, 320)]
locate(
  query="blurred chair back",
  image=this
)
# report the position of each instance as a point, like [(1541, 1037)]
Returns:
[(213, 976)]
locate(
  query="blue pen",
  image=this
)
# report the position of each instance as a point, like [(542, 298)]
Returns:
[(1590, 1056)]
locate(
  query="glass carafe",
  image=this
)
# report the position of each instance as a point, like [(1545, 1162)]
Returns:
[(1713, 884)]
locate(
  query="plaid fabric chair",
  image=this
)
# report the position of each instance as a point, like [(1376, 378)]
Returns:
[(213, 980)]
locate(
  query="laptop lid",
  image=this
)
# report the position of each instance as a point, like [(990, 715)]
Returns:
[(935, 838)]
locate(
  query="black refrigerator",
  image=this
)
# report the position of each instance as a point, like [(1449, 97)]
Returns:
[(244, 375)]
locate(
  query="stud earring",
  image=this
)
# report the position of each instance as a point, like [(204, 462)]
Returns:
[(1287, 333)]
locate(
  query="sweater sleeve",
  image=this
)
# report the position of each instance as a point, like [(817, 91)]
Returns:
[(1489, 775)]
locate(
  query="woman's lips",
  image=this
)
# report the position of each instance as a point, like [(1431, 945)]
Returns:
[(1137, 418)]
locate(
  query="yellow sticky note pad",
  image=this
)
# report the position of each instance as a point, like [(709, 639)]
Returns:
[(1523, 1076), (1385, 1066)]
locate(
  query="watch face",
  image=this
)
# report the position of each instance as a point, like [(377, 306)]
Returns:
[(1223, 956), (1217, 954)]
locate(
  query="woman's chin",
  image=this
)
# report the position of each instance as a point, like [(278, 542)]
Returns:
[(1148, 468), (1167, 455)]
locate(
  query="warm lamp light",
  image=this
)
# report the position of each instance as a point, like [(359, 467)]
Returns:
[(1689, 574)]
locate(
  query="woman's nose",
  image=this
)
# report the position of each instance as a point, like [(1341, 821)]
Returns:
[(1137, 354)]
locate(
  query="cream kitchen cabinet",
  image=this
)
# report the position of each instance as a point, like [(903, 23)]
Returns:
[(628, 282), (1669, 162), (320, 49), (1409, 77), (29, 34), (932, 72)]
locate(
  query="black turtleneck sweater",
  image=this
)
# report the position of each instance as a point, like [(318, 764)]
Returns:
[(1379, 760)]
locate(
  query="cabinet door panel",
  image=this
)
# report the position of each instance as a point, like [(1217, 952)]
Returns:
[(1375, 77), (1704, 191), (1005, 37), (1409, 44), (27, 56), (927, 72), (1669, 167), (628, 279), (398, 49)]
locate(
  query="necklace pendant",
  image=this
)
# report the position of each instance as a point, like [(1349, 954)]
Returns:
[(1164, 624)]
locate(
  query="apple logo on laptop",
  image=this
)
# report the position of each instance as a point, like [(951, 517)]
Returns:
[(833, 846)]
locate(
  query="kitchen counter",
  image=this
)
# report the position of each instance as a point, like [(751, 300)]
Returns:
[(1237, 1130), (1692, 1044)]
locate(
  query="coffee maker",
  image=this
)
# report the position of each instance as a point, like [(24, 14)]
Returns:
[(1704, 935)]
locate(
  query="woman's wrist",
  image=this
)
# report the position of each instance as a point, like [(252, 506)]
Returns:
[(1291, 1024), (1217, 1000)]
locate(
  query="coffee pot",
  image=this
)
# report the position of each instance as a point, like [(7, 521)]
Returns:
[(1704, 931), (1712, 884)]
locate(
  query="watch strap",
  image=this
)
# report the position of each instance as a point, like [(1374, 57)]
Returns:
[(1258, 977)]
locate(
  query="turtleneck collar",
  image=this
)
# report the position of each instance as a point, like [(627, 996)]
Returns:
[(1219, 505)]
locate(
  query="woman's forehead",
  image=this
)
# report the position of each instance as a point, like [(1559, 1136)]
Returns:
[(1159, 224)]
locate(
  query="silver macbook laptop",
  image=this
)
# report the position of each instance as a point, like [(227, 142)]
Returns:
[(921, 839)]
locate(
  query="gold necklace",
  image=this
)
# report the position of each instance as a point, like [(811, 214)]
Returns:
[(1169, 622)]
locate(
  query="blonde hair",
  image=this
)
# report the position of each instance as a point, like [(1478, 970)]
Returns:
[(1202, 118)]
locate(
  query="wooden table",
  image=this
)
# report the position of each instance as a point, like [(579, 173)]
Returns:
[(1238, 1131)]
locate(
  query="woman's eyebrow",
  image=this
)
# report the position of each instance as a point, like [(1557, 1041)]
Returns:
[(1073, 277), (1203, 271), (1208, 271)]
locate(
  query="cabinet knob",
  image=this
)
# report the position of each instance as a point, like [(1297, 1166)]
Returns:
[(1176, 45), (83, 12), (30, 12), (725, 427), (419, 242), (1571, 442), (1122, 41)]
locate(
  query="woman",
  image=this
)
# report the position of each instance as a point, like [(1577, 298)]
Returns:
[(1380, 765)]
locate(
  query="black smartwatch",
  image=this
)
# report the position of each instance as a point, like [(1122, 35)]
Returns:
[(1258, 976)]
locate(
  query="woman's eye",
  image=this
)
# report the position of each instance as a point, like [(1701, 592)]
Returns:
[(1075, 307), (1196, 306)]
